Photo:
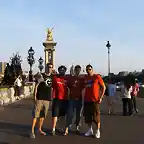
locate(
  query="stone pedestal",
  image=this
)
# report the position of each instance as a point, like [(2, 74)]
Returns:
[(49, 53)]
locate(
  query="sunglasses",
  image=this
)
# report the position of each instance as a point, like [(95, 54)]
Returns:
[(50, 67), (88, 69)]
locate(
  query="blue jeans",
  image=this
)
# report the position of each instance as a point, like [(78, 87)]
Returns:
[(74, 105)]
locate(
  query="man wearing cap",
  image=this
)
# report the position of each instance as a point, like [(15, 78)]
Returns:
[(60, 97), (42, 98)]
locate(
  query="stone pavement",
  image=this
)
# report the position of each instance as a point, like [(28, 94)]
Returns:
[(15, 121)]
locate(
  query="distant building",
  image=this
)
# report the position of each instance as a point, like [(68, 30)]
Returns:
[(2, 67)]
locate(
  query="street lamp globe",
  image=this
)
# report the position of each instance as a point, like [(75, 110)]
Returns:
[(108, 45), (31, 52), (40, 60), (40, 64), (31, 61)]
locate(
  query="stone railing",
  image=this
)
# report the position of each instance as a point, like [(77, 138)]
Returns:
[(7, 94)]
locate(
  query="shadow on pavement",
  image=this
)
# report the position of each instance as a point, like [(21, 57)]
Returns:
[(106, 113), (23, 106), (17, 129)]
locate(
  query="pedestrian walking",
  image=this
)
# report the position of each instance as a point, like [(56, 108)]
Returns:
[(135, 90), (126, 99), (111, 97), (18, 85)]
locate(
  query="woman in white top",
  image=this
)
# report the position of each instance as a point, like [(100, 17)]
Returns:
[(126, 99), (111, 97), (18, 85)]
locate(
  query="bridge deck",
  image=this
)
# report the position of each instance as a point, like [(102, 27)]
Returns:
[(15, 123)]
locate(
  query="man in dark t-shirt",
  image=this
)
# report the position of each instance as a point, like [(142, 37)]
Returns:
[(42, 98)]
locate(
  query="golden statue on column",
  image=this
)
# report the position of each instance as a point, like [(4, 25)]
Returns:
[(50, 34), (49, 48)]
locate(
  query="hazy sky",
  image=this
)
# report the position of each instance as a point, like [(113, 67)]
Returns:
[(82, 28)]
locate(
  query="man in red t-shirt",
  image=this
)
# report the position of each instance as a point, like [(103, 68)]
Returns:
[(60, 96), (75, 99), (93, 94)]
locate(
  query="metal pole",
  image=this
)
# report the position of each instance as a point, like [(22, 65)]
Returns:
[(109, 61), (30, 67)]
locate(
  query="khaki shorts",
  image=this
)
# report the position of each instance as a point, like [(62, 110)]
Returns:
[(92, 112), (41, 108)]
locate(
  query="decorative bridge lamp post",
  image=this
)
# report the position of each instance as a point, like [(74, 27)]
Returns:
[(41, 64), (31, 61), (108, 47)]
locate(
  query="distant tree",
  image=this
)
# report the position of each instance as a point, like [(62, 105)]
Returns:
[(6, 77), (130, 79), (140, 77), (12, 70), (16, 64)]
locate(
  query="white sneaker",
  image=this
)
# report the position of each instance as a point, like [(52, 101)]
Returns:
[(17, 98), (97, 134), (89, 132)]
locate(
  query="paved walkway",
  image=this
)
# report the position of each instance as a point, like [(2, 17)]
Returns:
[(15, 121)]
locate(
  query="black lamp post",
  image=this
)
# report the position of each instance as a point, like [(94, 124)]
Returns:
[(40, 64), (108, 47), (31, 61)]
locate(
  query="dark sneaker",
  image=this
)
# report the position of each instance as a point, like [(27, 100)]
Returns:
[(131, 114), (77, 131), (60, 130), (32, 136)]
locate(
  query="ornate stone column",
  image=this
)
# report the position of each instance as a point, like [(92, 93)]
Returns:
[(49, 50)]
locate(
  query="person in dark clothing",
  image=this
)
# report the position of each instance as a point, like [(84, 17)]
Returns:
[(42, 98)]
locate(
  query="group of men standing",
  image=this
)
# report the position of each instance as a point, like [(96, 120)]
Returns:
[(68, 93)]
